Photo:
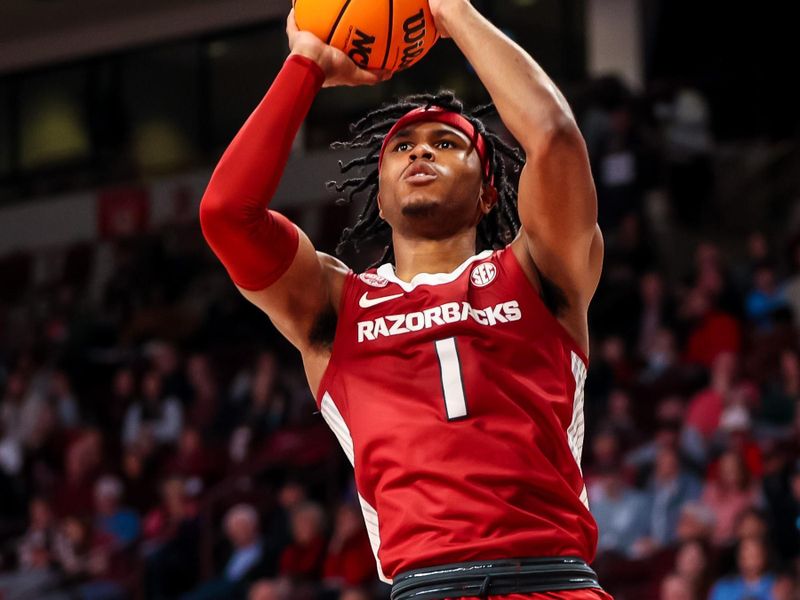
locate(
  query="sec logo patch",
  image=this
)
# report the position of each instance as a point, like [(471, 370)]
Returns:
[(483, 274), (374, 280)]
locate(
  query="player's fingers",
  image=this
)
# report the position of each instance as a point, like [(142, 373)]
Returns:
[(364, 77), (349, 74), (291, 24)]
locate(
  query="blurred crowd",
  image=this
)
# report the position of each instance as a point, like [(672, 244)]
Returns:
[(158, 438)]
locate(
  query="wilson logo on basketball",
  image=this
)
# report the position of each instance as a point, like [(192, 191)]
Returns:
[(374, 280), (414, 28), (483, 274), (362, 48)]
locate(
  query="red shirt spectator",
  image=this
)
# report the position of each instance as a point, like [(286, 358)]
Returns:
[(302, 559), (350, 560), (717, 332), (706, 407)]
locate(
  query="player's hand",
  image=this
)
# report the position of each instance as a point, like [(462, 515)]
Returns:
[(337, 66)]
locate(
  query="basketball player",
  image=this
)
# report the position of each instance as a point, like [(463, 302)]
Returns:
[(452, 374)]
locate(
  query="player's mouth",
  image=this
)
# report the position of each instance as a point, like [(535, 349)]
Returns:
[(420, 173)]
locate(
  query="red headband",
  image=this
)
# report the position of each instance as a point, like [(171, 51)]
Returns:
[(440, 115)]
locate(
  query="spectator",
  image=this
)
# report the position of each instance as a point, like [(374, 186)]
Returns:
[(620, 512), (729, 495), (139, 480), (154, 417), (660, 357), (193, 459), (754, 581), (204, 391), (693, 564), (670, 433), (85, 557), (279, 523), (669, 489), (121, 524), (20, 408), (705, 408), (735, 433), (687, 132), (711, 331), (245, 562), (782, 392), (620, 420), (349, 561), (123, 395), (765, 298), (618, 166), (36, 572), (62, 399), (171, 541), (656, 313), (677, 587), (302, 559), (604, 457), (695, 523), (10, 452), (710, 277), (262, 407), (751, 524), (82, 468), (166, 361)]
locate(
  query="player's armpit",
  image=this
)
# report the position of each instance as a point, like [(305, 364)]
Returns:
[(311, 285), (558, 211)]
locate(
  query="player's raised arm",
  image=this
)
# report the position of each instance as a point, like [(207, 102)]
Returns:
[(270, 260), (557, 198)]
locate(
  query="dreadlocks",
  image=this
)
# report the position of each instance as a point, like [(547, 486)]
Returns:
[(496, 230)]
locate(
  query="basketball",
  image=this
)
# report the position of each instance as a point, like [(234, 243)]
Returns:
[(391, 35)]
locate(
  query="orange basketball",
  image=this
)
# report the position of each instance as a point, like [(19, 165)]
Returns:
[(391, 35)]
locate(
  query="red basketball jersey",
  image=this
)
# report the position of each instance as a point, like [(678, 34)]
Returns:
[(458, 398)]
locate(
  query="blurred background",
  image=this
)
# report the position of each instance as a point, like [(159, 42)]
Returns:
[(158, 438)]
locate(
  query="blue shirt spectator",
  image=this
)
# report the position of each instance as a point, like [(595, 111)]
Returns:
[(122, 524), (620, 512), (753, 582)]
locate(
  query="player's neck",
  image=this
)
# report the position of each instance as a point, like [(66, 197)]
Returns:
[(416, 256)]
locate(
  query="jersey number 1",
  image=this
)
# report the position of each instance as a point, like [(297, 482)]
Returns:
[(452, 384)]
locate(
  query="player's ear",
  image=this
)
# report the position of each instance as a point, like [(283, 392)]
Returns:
[(380, 210), (489, 198)]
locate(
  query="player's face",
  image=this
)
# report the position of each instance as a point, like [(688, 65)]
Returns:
[(431, 181)]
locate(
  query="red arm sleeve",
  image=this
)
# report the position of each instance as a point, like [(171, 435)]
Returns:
[(257, 245)]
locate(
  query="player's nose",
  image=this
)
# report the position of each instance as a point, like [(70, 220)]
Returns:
[(422, 151)]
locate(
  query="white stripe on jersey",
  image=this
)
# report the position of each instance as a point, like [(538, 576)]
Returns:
[(371, 519), (576, 427), (335, 421)]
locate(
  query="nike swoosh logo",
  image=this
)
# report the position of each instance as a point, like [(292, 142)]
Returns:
[(366, 302)]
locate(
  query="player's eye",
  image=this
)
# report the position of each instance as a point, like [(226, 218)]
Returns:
[(402, 147), (447, 144)]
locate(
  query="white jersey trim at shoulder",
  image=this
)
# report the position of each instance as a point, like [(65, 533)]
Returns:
[(387, 272)]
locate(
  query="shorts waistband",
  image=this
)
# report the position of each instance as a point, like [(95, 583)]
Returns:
[(494, 577)]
